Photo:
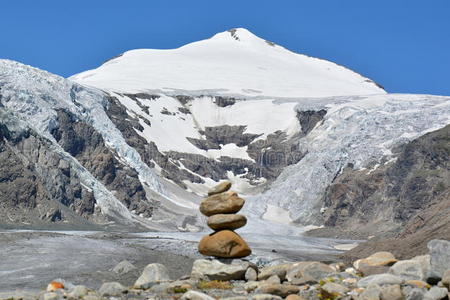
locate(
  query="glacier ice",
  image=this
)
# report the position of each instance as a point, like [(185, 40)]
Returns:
[(33, 96), (358, 130)]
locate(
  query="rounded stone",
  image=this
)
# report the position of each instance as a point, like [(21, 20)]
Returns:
[(226, 221), (220, 188), (224, 243), (224, 203), (382, 258)]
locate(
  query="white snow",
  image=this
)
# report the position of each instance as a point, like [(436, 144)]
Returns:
[(239, 63)]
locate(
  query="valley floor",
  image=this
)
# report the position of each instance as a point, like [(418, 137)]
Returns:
[(29, 259)]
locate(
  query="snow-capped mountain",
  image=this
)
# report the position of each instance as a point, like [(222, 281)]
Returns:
[(169, 124), (231, 63)]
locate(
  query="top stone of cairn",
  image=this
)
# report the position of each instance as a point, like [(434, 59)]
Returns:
[(220, 188)]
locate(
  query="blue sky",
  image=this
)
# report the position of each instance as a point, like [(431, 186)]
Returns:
[(402, 44)]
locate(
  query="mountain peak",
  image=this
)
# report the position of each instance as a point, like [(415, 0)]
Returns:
[(232, 63), (242, 35)]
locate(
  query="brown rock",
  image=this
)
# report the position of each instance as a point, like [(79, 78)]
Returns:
[(279, 270), (382, 258), (220, 188), (446, 279), (226, 221), (294, 297), (281, 290), (417, 283), (224, 243), (331, 290), (367, 270), (224, 203), (309, 272)]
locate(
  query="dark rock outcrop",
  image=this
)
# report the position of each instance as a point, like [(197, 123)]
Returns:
[(309, 118), (222, 135), (407, 200), (88, 147), (37, 185), (148, 150)]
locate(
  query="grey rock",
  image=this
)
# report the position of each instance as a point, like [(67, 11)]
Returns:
[(412, 191), (152, 273), (373, 292), (273, 279), (391, 292), (87, 145), (439, 257), (252, 285), (436, 293), (316, 271), (309, 118), (380, 279), (52, 296), (413, 269), (160, 288), (78, 291), (18, 294), (112, 289), (265, 297), (224, 269), (332, 288), (123, 267), (194, 295), (92, 297), (279, 270), (413, 293), (251, 274)]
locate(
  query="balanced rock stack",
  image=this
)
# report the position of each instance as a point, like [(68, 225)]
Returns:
[(221, 207)]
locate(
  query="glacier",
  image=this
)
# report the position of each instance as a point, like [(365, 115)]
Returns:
[(33, 96), (361, 131)]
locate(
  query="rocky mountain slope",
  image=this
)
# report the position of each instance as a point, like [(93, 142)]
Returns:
[(139, 140)]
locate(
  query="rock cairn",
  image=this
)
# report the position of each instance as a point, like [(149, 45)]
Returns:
[(221, 207)]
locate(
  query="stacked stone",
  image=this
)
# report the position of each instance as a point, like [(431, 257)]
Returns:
[(221, 207)]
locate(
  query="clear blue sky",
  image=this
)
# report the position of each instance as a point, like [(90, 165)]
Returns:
[(402, 44)]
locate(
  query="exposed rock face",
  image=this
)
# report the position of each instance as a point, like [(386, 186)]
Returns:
[(36, 184), (88, 147), (309, 119), (270, 155), (148, 151), (222, 135), (413, 192)]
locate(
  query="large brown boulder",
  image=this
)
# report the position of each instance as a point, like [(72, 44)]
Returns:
[(223, 203), (226, 221), (220, 188), (224, 243)]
